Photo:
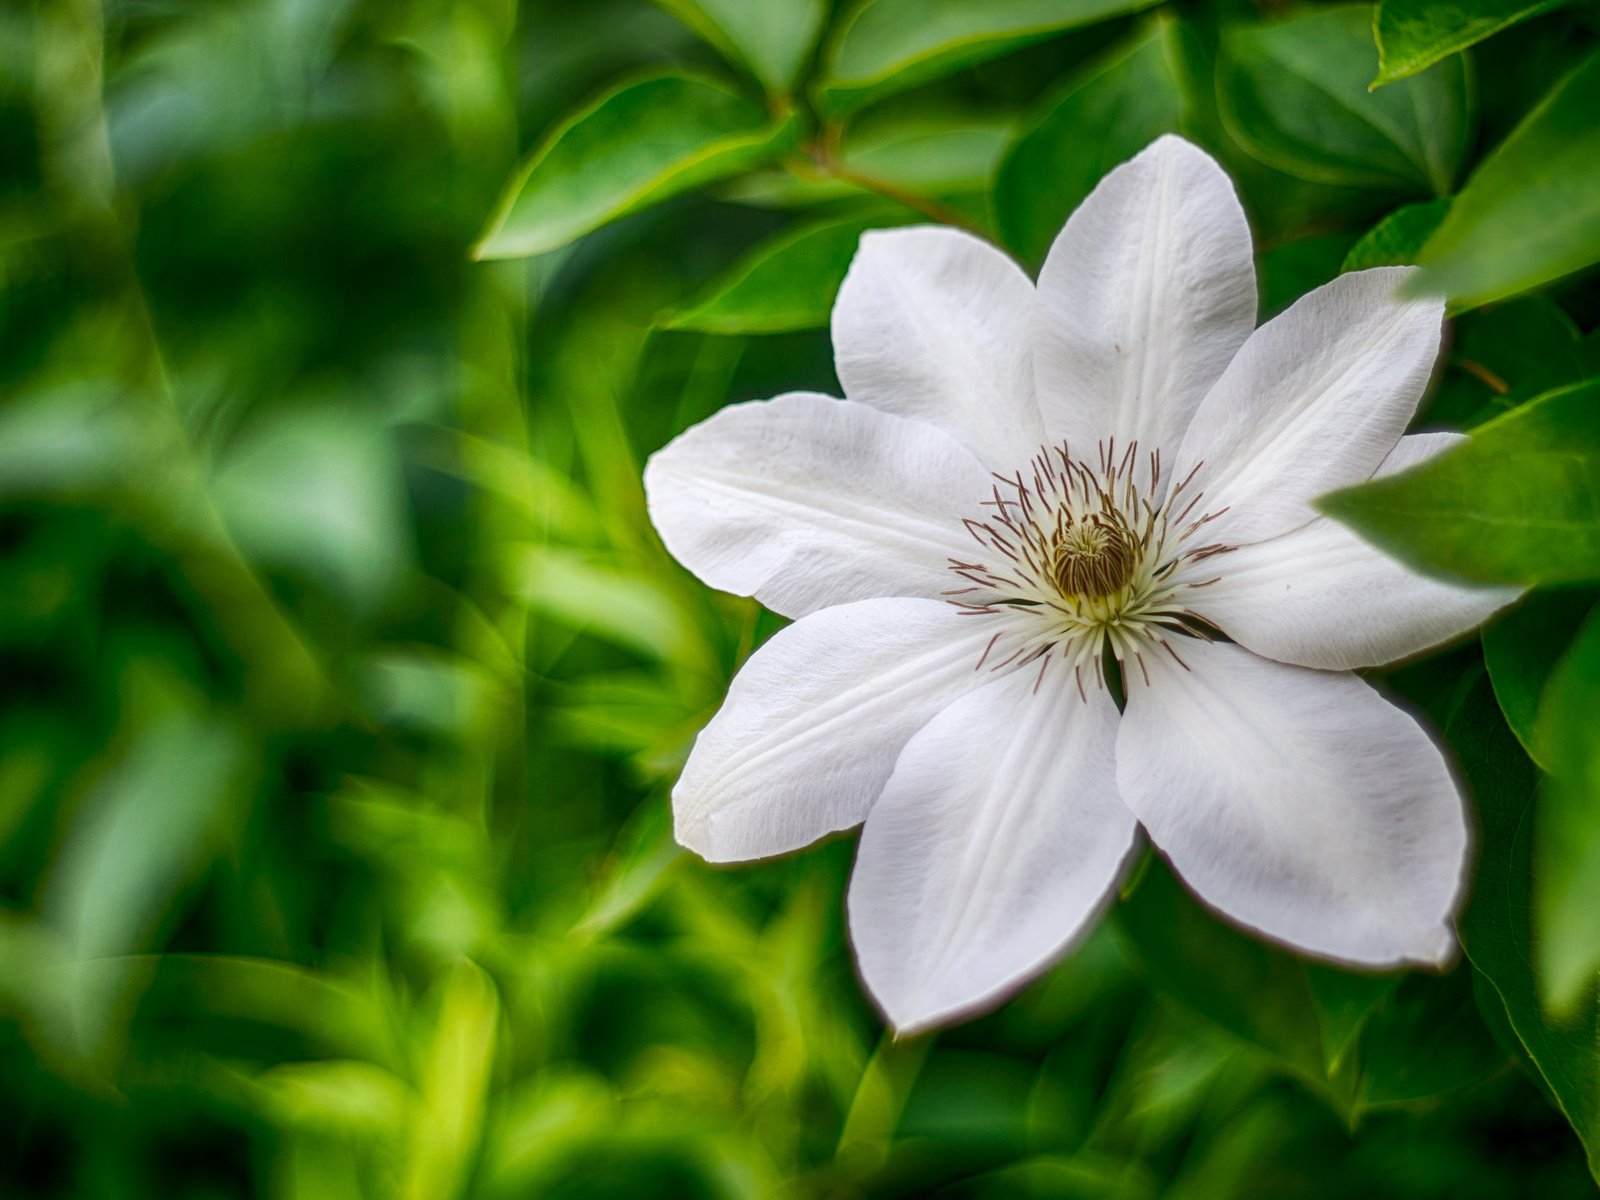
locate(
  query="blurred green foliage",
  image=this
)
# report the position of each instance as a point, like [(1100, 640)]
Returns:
[(345, 680)]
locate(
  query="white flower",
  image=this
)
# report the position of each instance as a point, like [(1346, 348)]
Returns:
[(1021, 477)]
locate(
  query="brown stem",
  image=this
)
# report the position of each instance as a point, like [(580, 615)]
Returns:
[(1484, 375), (933, 209)]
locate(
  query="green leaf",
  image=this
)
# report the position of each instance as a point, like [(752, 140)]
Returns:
[(889, 45), (1519, 502), (145, 823), (1496, 928), (771, 37), (1256, 992), (319, 492), (639, 144), (935, 157), (1294, 94), (1427, 1040), (1397, 240), (1531, 211), (1568, 848), (787, 282), (1415, 34), (1128, 98), (1521, 649), (1501, 357), (1289, 270)]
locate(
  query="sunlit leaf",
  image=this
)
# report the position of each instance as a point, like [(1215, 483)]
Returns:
[(1415, 34), (453, 1083)]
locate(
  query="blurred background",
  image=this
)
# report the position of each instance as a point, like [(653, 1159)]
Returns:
[(343, 681)]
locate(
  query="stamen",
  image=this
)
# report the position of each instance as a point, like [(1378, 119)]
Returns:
[(1092, 552)]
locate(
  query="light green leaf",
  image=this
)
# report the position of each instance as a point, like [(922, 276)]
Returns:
[(1567, 856), (624, 607), (635, 871), (338, 1096), (1517, 503), (72, 439), (1397, 240), (1521, 649), (1497, 930), (1126, 100), (456, 1058), (1414, 34), (787, 282), (639, 144), (1531, 211), (144, 825), (772, 37), (150, 822), (889, 45), (1294, 94), (319, 492)]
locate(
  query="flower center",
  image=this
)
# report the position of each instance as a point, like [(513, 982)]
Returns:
[(1094, 557), (1082, 556)]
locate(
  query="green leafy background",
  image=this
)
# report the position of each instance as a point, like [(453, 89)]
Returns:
[(344, 680)]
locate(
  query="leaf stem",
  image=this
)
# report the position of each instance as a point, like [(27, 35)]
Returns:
[(933, 209)]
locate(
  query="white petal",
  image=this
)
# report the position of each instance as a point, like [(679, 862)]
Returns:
[(806, 501), (932, 323), (1298, 802), (814, 721), (1146, 295), (992, 847), (1320, 596), (1314, 401)]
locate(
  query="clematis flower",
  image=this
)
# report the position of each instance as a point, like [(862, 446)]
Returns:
[(1024, 480)]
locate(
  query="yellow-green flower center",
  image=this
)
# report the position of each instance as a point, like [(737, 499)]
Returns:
[(1094, 557)]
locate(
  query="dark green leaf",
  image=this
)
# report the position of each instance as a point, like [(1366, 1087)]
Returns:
[(1521, 649), (772, 37), (1568, 848), (1414, 34), (1128, 99), (1256, 992), (1531, 211), (641, 143), (1294, 94), (1501, 357), (1518, 503), (787, 282), (1497, 930), (889, 45), (1427, 1040)]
